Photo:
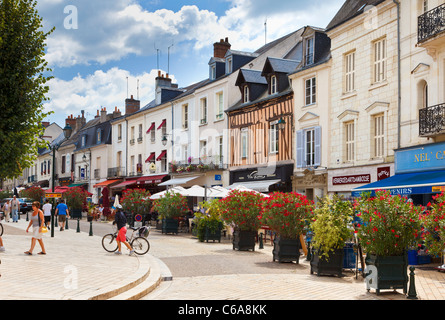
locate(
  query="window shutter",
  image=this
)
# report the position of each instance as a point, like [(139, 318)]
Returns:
[(300, 149), (317, 131)]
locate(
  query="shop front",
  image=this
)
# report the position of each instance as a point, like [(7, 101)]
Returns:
[(419, 174)]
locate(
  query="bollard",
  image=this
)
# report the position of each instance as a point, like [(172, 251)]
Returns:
[(91, 228), (78, 225), (27, 218), (261, 246), (412, 286), (308, 256), (56, 224)]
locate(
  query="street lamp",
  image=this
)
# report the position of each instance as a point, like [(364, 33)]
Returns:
[(67, 133), (281, 124), (164, 139)]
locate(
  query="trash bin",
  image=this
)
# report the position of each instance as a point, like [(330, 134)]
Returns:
[(412, 257), (349, 256)]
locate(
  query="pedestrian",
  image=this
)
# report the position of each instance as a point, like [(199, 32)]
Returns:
[(100, 211), (2, 248), (7, 210), (15, 208), (121, 221), (63, 213), (37, 221), (47, 207)]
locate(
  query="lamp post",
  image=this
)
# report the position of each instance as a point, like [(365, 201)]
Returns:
[(67, 132)]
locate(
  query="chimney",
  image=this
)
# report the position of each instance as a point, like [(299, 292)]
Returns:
[(103, 115), (116, 113), (220, 48), (80, 120), (45, 124), (71, 121), (97, 115), (132, 105)]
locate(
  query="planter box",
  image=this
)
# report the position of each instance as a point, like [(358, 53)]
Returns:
[(170, 226), (215, 235), (331, 266), (244, 240), (286, 250), (386, 272)]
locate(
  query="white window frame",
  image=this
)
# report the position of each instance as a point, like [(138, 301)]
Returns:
[(246, 97), (273, 84), (310, 91), (229, 65), (185, 116), (202, 148), (378, 122), (350, 141), (244, 136), (203, 110), (309, 51), (309, 147), (379, 65), (273, 137), (350, 72), (219, 114)]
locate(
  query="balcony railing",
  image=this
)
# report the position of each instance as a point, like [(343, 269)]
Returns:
[(116, 172), (431, 23), (198, 165), (432, 120)]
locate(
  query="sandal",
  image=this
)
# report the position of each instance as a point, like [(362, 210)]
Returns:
[(41, 253), (28, 253)]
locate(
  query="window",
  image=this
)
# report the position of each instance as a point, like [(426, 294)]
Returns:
[(229, 65), (185, 153), (132, 135), (203, 103), (203, 148), (153, 133), (119, 159), (98, 135), (164, 128), (246, 94), (350, 141), (379, 135), (185, 116), (139, 165), (132, 166), (219, 106), (273, 137), (380, 60), (310, 147), (83, 140), (140, 133), (350, 72), (425, 6), (119, 132), (273, 85), (244, 142), (309, 53), (219, 141), (310, 91), (212, 72)]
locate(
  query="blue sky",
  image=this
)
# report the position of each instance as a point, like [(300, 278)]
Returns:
[(97, 44)]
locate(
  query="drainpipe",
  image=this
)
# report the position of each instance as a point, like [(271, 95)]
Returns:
[(399, 96)]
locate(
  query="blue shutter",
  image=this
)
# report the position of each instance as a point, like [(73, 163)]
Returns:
[(317, 132), (300, 149)]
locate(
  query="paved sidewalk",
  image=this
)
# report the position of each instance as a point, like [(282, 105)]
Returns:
[(75, 266)]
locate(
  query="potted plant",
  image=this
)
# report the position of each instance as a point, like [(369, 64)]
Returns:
[(170, 207), (286, 214), (91, 211), (390, 226), (35, 193), (243, 209), (209, 223), (331, 227), (76, 200), (136, 202)]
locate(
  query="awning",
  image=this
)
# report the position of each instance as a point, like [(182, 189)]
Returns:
[(151, 179), (77, 184), (152, 155), (151, 127), (124, 184), (407, 183), (260, 186), (178, 181), (105, 183), (163, 153), (163, 122)]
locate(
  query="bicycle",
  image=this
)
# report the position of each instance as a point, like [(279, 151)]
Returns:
[(139, 243)]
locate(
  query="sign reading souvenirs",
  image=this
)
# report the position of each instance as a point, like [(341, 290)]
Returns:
[(360, 178)]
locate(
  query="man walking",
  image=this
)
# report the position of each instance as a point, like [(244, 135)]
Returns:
[(63, 213), (15, 209), (47, 207)]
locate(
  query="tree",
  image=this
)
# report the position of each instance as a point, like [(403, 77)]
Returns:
[(22, 85)]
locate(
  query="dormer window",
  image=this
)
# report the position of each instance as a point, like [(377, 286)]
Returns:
[(212, 72), (98, 136), (246, 94), (229, 65), (273, 85), (83, 140), (309, 51)]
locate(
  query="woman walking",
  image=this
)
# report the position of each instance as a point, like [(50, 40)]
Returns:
[(7, 210), (37, 221)]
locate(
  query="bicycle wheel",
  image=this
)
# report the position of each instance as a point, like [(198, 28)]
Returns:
[(1, 229), (140, 245), (109, 242)]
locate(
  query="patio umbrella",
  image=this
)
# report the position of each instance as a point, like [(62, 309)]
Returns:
[(195, 191), (243, 188), (116, 202), (177, 189), (217, 192)]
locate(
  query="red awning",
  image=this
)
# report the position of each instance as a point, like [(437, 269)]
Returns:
[(151, 127), (151, 179), (124, 184), (57, 189), (152, 155), (163, 122), (163, 153), (105, 183)]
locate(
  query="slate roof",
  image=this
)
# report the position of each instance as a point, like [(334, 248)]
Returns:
[(251, 76), (349, 10), (282, 65)]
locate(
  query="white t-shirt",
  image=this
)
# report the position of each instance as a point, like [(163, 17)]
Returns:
[(47, 209)]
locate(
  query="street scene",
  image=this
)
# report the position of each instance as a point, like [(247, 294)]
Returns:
[(223, 150)]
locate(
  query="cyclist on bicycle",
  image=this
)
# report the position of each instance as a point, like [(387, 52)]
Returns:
[(121, 221)]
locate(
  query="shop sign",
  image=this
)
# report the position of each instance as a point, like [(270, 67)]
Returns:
[(383, 173), (355, 179), (420, 158)]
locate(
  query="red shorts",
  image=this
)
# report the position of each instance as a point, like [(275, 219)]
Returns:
[(121, 236)]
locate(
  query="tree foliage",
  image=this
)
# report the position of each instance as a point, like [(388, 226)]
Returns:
[(23, 74)]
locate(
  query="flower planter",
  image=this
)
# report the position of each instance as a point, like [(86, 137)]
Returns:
[(214, 235), (244, 240), (386, 272), (286, 250), (170, 226), (327, 266)]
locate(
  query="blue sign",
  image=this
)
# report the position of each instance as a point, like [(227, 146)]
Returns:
[(217, 177), (420, 158), (82, 173)]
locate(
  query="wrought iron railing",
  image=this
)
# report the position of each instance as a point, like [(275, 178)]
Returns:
[(203, 164), (116, 172), (432, 120), (431, 23)]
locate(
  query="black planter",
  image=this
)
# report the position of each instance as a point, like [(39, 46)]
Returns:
[(286, 250), (327, 266), (386, 272), (170, 226), (214, 235), (244, 240), (76, 213)]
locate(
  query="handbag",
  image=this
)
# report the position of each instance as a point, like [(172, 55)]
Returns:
[(44, 229)]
